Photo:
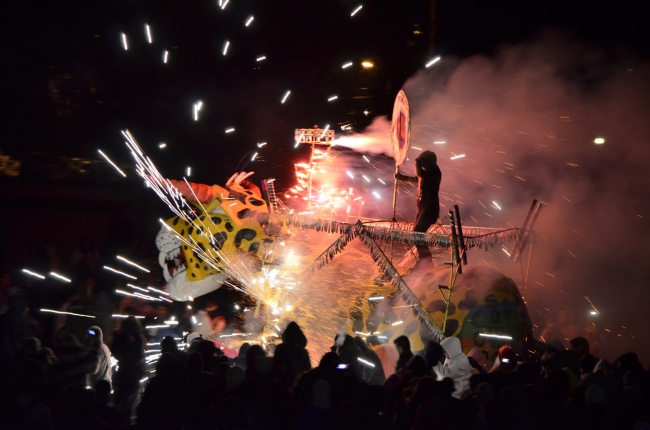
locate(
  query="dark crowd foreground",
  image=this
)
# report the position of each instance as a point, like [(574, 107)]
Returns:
[(75, 385)]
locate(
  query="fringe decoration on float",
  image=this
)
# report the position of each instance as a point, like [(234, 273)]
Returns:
[(438, 237), (380, 258)]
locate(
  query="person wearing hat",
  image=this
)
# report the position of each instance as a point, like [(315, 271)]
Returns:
[(428, 181)]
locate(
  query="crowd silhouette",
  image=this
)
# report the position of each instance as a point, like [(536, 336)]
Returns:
[(71, 372)]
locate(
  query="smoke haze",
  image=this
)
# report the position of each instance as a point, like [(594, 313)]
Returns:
[(522, 126)]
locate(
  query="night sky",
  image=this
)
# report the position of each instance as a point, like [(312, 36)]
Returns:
[(523, 89)]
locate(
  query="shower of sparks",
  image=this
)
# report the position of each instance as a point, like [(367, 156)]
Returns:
[(261, 144), (225, 47), (496, 205), (34, 274), (261, 58), (119, 272), (249, 21), (332, 98), (111, 162), (125, 45), (354, 12), (230, 130), (162, 145), (147, 31), (346, 65), (126, 316), (432, 62), (456, 157), (60, 277), (223, 4), (127, 261), (188, 171), (165, 56), (286, 96)]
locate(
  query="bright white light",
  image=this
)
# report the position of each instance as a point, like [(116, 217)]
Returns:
[(332, 98), (432, 62), (188, 171), (286, 96), (261, 144), (119, 272), (367, 64), (262, 58), (148, 32), (346, 65), (439, 142), (376, 298), (376, 194), (350, 174), (354, 12), (397, 323), (60, 277), (162, 145), (125, 45), (165, 56), (230, 130), (66, 313), (225, 47), (112, 164), (137, 288), (249, 21), (34, 274), (144, 269), (495, 204), (593, 313), (496, 336), (197, 107), (254, 157), (455, 157), (223, 3), (367, 363), (599, 140)]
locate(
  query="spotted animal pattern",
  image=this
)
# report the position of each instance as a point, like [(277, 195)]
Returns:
[(486, 311), (228, 221)]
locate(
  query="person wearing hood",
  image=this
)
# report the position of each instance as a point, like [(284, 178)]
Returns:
[(98, 365), (456, 367), (291, 358), (428, 203)]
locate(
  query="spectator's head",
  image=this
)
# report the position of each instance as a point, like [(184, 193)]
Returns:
[(579, 346), (452, 346), (402, 344), (94, 337), (293, 335), (131, 326), (433, 353), (168, 344)]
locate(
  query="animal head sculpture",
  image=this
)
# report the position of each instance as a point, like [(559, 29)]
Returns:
[(220, 222)]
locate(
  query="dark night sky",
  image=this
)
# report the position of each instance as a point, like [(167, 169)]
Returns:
[(69, 87), (514, 67)]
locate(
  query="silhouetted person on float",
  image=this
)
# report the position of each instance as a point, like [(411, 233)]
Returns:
[(428, 181)]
